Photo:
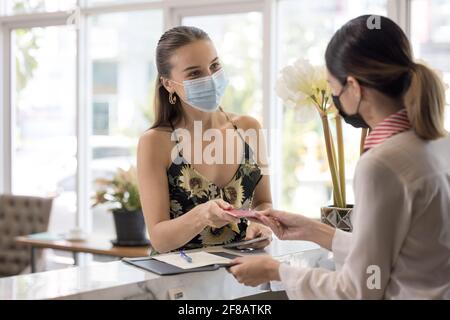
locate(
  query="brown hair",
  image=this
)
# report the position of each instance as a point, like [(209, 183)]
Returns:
[(166, 113), (381, 58)]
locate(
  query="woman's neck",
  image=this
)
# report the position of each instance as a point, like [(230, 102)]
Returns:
[(381, 107), (208, 119)]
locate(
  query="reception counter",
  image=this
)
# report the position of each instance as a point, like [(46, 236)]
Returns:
[(117, 280)]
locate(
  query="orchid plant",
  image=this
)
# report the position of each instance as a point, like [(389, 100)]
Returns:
[(302, 85)]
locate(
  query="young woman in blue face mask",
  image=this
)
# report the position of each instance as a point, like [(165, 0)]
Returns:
[(185, 203), (400, 245)]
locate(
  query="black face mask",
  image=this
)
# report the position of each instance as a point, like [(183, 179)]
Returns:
[(354, 120)]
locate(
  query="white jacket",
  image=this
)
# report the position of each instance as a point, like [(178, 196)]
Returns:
[(401, 228)]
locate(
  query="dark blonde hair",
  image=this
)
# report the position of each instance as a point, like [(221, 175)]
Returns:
[(382, 59), (166, 113)]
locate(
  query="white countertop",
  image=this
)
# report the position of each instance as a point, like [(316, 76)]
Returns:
[(117, 280)]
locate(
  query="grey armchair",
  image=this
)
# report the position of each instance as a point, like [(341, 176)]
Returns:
[(20, 215)]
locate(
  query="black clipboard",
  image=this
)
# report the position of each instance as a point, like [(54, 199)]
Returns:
[(162, 268)]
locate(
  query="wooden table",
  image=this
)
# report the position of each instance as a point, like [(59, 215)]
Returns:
[(98, 246)]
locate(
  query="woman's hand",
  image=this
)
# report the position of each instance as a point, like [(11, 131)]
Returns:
[(214, 213), (257, 230), (286, 226), (255, 270), (293, 226)]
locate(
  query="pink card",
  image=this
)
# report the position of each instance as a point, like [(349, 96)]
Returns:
[(242, 213)]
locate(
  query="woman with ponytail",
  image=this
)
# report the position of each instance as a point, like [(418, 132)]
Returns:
[(400, 244)]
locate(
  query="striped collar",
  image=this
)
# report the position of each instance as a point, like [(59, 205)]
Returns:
[(395, 123)]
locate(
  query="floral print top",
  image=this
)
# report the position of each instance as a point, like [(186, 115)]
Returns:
[(189, 188)]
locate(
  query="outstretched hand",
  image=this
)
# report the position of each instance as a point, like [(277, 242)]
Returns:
[(286, 226)]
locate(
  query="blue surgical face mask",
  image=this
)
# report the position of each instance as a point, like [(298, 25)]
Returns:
[(206, 93)]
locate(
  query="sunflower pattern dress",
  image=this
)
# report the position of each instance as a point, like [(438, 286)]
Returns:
[(189, 188)]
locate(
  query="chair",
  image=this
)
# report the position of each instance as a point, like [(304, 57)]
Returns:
[(20, 215)]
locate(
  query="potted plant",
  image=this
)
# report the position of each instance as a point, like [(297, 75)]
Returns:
[(122, 194), (302, 85)]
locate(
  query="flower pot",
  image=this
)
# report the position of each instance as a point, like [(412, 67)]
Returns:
[(337, 217), (130, 228)]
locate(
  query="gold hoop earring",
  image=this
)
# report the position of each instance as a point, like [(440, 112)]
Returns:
[(172, 98)]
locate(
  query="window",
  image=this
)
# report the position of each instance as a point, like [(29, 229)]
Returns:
[(104, 77), (121, 49), (430, 37), (100, 125), (29, 6), (304, 29), (111, 2), (43, 98)]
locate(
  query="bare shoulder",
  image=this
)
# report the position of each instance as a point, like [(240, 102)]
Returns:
[(155, 139), (245, 122), (251, 127)]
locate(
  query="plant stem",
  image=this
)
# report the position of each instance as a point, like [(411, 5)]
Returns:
[(324, 107), (331, 161), (341, 158), (333, 150), (318, 107)]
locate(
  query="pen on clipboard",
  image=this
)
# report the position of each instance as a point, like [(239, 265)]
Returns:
[(185, 256)]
